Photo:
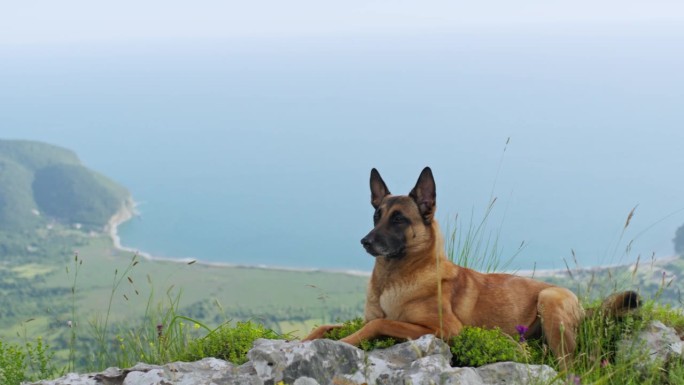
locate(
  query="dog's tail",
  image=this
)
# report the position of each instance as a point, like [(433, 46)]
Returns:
[(620, 304)]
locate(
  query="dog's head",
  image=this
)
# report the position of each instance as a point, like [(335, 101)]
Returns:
[(402, 223)]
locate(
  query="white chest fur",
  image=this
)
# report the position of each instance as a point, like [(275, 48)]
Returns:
[(395, 297)]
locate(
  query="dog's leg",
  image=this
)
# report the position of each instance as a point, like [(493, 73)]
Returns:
[(388, 328), (561, 314), (320, 331)]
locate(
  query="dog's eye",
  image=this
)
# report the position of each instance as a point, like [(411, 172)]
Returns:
[(397, 217), (376, 216)]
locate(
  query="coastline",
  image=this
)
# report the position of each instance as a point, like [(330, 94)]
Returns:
[(128, 211)]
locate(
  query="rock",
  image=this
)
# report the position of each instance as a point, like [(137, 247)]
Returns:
[(72, 379), (461, 376), (502, 373), (305, 381), (404, 354), (322, 362), (656, 342)]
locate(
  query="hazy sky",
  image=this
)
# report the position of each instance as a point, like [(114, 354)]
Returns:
[(68, 21)]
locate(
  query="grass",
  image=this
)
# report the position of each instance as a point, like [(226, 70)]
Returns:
[(236, 288), (239, 290), (32, 270), (476, 247)]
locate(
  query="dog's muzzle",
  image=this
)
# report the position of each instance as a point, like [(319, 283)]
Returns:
[(367, 243), (380, 247)]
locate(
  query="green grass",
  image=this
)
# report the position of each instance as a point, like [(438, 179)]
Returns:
[(476, 247), (235, 288), (32, 270)]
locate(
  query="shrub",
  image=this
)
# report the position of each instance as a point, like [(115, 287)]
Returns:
[(230, 343), (12, 364), (40, 360), (19, 363), (475, 346)]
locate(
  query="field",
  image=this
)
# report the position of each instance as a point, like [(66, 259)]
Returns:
[(119, 288)]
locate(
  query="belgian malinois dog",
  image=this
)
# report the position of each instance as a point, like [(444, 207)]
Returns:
[(415, 290)]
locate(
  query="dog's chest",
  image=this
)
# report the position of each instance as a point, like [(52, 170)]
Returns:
[(394, 298)]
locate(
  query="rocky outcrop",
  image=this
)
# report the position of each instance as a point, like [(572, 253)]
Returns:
[(322, 362)]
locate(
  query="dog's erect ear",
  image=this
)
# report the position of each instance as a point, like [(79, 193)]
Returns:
[(378, 188), (424, 194)]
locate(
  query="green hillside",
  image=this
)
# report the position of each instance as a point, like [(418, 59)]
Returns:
[(17, 207), (74, 194), (36, 155), (44, 188), (45, 192)]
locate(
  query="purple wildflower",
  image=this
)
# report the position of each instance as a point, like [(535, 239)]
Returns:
[(521, 329)]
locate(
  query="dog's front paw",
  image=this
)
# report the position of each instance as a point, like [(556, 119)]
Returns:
[(319, 332)]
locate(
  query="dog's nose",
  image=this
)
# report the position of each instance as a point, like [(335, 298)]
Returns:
[(366, 241)]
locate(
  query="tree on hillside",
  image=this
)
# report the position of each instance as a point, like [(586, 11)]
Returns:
[(679, 241)]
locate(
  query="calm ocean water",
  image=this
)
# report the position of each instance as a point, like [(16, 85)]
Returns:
[(258, 152)]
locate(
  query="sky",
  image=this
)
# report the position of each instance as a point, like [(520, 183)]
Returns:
[(85, 21), (549, 73)]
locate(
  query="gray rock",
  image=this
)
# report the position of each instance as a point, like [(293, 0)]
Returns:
[(305, 381), (415, 362), (72, 379), (460, 376), (150, 377), (504, 373), (322, 362), (401, 355), (656, 342)]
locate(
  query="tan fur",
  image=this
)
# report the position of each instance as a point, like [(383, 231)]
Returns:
[(403, 302)]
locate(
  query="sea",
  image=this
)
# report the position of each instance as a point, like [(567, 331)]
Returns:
[(257, 151)]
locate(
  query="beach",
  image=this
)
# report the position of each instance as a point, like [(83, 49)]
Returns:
[(126, 212)]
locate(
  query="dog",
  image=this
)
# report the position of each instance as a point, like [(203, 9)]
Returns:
[(415, 290)]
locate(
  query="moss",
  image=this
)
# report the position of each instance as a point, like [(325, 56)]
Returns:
[(476, 347), (230, 343)]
